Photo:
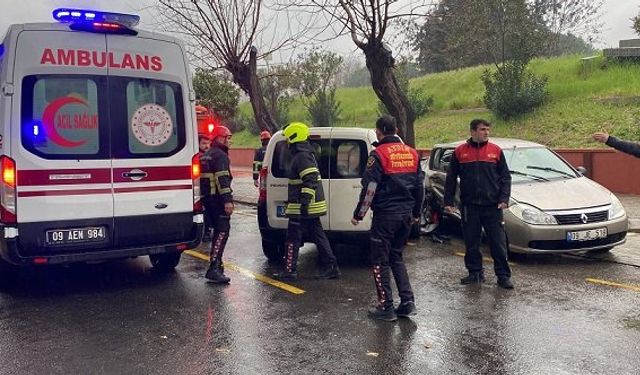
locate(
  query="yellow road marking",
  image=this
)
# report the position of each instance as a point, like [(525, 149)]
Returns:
[(267, 280), (613, 284)]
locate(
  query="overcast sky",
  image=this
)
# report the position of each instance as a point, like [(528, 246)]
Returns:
[(616, 18)]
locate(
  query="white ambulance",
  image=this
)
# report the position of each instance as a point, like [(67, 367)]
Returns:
[(98, 147)]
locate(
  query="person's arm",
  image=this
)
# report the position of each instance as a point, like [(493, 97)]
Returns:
[(631, 148), (418, 192), (222, 179), (452, 181), (370, 180), (505, 182)]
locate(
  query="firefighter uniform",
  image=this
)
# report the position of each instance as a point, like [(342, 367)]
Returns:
[(216, 183), (258, 157), (392, 185), (305, 205)]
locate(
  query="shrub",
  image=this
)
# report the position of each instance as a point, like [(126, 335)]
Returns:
[(323, 108), (512, 90)]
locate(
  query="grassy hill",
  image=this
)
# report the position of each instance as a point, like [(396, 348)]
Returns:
[(583, 97)]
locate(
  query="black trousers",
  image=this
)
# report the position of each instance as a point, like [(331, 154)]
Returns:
[(220, 222), (474, 218), (388, 238), (311, 230)]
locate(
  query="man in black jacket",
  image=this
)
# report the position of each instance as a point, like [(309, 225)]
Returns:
[(392, 185), (258, 156), (305, 205), (218, 201), (485, 187)]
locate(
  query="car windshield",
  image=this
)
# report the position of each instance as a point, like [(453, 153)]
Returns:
[(536, 164)]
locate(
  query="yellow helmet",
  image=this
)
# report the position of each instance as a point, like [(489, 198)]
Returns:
[(296, 132)]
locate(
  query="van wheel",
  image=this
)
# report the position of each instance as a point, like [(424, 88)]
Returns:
[(165, 262), (273, 250)]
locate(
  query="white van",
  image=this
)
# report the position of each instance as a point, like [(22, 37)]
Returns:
[(342, 156), (98, 147)]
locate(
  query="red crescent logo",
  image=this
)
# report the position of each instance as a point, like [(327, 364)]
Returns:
[(49, 115)]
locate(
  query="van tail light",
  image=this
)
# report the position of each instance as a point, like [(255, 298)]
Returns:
[(8, 190), (263, 185), (195, 180)]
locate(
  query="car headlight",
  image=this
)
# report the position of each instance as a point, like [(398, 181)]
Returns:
[(616, 210), (532, 215)]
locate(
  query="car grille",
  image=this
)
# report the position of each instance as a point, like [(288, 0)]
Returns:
[(592, 217), (565, 245)]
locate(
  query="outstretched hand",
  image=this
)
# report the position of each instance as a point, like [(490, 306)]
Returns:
[(601, 136)]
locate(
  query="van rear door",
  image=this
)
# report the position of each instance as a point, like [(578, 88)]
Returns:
[(152, 145), (60, 143)]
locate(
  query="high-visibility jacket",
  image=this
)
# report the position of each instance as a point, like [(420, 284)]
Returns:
[(216, 176), (258, 157), (305, 184)]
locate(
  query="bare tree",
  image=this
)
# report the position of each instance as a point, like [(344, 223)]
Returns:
[(223, 34), (369, 24)]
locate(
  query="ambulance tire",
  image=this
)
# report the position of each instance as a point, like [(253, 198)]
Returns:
[(273, 250), (7, 273), (165, 262)]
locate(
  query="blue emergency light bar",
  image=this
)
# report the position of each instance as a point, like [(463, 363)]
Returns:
[(69, 15)]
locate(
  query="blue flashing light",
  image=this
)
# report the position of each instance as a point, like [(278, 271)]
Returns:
[(67, 15), (1, 50)]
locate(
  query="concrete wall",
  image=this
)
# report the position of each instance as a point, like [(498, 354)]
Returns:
[(616, 171)]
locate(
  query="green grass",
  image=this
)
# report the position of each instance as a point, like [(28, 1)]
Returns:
[(583, 98)]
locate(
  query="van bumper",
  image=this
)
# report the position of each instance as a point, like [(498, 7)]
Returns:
[(10, 251)]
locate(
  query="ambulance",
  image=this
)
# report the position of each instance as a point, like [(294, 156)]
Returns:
[(98, 144)]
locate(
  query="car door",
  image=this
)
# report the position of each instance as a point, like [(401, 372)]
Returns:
[(61, 145), (152, 146)]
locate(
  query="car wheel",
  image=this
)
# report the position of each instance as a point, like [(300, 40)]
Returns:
[(273, 250), (165, 262)]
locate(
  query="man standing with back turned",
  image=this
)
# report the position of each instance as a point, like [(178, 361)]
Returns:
[(485, 187), (392, 185)]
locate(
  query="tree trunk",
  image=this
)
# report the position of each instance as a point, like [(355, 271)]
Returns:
[(380, 64), (245, 75)]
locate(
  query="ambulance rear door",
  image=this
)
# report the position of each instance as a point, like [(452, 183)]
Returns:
[(153, 141), (60, 141)]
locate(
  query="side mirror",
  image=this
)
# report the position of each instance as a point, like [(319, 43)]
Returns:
[(582, 170)]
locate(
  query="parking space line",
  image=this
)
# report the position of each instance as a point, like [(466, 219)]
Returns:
[(267, 280), (613, 284)]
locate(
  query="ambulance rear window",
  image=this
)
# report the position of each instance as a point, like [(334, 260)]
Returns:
[(63, 117)]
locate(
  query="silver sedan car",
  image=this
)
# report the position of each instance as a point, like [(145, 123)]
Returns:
[(554, 208)]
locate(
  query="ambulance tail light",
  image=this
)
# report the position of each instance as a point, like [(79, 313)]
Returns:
[(195, 180), (263, 185), (8, 190)]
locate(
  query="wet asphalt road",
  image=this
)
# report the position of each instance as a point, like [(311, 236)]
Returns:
[(123, 318)]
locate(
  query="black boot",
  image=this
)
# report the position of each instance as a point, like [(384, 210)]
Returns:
[(473, 278), (505, 282), (406, 309), (214, 275), (379, 312), (328, 272), (285, 275)]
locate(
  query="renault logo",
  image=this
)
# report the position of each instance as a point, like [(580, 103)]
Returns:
[(584, 218)]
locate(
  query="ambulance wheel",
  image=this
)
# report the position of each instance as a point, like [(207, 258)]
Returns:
[(165, 262), (273, 250)]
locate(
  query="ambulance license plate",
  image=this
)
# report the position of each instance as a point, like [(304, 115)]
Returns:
[(587, 235), (76, 235)]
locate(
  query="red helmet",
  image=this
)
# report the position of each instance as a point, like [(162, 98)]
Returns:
[(220, 131), (264, 135)]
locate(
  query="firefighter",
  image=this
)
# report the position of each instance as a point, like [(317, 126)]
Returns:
[(305, 205), (392, 185), (258, 157), (218, 200), (204, 143)]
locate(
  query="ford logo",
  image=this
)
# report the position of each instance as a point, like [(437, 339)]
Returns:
[(160, 206)]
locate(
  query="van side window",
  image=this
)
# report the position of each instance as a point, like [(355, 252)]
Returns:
[(281, 158), (351, 157), (64, 117), (148, 118)]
